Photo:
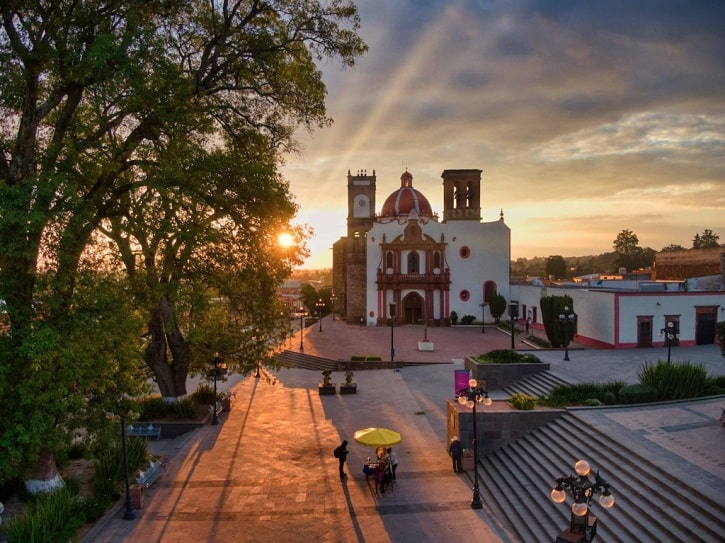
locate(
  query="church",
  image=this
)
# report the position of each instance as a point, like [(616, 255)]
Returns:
[(408, 264)]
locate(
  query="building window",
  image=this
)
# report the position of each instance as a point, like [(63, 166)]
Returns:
[(413, 262), (465, 295), (437, 259), (389, 259), (464, 252)]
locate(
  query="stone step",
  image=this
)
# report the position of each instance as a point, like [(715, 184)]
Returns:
[(536, 385), (651, 504)]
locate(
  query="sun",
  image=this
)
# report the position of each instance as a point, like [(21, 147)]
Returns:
[(285, 240)]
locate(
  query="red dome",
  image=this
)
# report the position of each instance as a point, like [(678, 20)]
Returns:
[(406, 199)]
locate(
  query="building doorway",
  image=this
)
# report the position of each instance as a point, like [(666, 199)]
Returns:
[(644, 331), (705, 330), (413, 305)]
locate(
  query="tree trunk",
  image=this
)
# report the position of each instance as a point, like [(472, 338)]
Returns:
[(45, 477), (167, 338)]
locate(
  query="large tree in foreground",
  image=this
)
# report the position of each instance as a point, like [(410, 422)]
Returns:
[(95, 98)]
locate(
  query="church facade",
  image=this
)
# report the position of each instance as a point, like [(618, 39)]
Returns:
[(411, 265)]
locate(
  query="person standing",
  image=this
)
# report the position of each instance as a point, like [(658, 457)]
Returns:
[(456, 452), (393, 460), (341, 453)]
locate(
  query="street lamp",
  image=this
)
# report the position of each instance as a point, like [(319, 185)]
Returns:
[(483, 317), (333, 301), (566, 319), (582, 487), (392, 324), (129, 514), (671, 332), (319, 305), (302, 327), (217, 361), (470, 397)]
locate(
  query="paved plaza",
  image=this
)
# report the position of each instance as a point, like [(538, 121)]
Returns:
[(267, 473)]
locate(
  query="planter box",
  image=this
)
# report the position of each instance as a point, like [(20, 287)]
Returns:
[(425, 346), (348, 389), (499, 376), (326, 389)]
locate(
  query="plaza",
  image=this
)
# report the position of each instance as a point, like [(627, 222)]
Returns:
[(267, 473)]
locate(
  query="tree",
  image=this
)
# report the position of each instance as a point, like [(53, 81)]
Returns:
[(97, 99), (629, 254), (672, 248), (707, 240), (551, 308), (556, 267), (497, 306)]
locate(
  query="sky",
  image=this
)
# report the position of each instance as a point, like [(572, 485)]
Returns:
[(586, 118)]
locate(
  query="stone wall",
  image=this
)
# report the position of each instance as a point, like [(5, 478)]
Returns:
[(498, 376)]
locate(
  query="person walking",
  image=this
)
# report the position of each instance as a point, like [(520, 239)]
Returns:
[(341, 453), (456, 452), (393, 460)]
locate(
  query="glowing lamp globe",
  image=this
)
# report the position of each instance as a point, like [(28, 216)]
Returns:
[(582, 468), (606, 500), (579, 509), (558, 495)]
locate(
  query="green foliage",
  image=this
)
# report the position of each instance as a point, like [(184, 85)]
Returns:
[(638, 393), (556, 267), (109, 465), (204, 394), (454, 318), (50, 517), (373, 358), (551, 308), (506, 356), (522, 402), (357, 358), (154, 407), (707, 240), (580, 393), (467, 319), (497, 307), (675, 380)]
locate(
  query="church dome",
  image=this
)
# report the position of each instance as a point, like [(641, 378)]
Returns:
[(406, 199)]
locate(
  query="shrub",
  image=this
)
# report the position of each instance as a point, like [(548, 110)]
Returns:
[(675, 381), (373, 358), (454, 317), (522, 402), (467, 319), (204, 394), (50, 517), (637, 394), (506, 356), (357, 358), (592, 402), (578, 394)]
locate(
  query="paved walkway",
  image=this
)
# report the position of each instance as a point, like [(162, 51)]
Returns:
[(267, 473)]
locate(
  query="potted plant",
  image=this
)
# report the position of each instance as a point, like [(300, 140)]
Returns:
[(326, 386), (348, 387)]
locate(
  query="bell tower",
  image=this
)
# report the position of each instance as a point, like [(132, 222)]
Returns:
[(461, 195), (360, 202)]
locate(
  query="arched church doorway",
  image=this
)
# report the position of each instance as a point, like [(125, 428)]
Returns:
[(413, 304)]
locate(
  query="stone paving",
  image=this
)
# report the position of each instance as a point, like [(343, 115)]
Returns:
[(266, 472)]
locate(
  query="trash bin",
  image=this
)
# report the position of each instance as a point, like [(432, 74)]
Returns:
[(137, 496), (467, 460)]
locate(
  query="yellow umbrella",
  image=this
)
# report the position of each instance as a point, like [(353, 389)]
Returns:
[(377, 437)]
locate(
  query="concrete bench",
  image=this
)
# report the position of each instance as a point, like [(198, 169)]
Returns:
[(144, 430), (153, 472)]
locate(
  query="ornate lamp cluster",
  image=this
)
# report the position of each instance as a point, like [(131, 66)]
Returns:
[(471, 397), (583, 487)]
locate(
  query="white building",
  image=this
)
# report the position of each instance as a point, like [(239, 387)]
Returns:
[(405, 258)]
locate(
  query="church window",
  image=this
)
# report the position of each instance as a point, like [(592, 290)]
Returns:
[(465, 295), (464, 252), (413, 262), (389, 259), (437, 259)]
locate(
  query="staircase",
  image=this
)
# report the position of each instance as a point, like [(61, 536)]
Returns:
[(654, 503), (306, 361), (536, 385)]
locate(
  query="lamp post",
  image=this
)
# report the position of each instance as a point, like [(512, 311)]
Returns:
[(217, 361), (392, 326), (129, 513), (333, 300), (302, 327), (319, 305), (483, 317), (470, 397), (582, 487), (566, 319), (671, 332)]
